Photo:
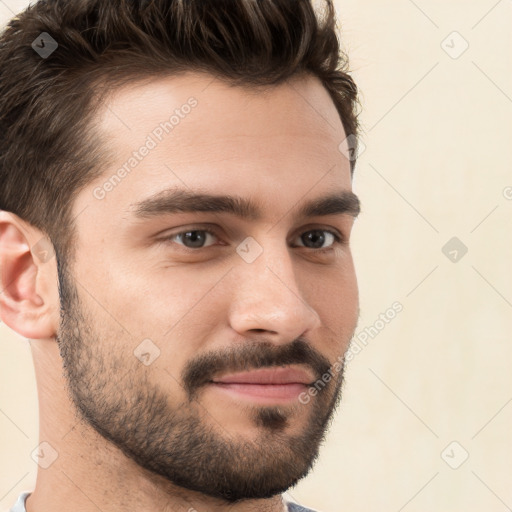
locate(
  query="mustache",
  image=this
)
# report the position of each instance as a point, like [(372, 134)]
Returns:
[(251, 355)]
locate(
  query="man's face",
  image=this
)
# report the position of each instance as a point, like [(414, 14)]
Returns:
[(167, 300)]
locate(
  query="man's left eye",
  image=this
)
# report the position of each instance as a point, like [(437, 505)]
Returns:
[(316, 238)]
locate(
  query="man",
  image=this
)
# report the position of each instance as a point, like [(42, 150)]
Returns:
[(174, 242)]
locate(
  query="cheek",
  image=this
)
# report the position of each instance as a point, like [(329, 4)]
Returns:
[(336, 299), (159, 300), (178, 309)]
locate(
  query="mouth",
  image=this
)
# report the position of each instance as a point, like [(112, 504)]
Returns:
[(265, 385)]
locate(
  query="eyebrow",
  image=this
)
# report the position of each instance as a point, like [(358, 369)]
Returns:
[(183, 201)]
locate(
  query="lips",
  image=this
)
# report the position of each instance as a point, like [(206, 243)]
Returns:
[(268, 376), (265, 386)]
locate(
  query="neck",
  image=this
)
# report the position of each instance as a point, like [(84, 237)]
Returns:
[(82, 471)]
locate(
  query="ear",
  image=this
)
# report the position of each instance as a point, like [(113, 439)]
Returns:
[(29, 298)]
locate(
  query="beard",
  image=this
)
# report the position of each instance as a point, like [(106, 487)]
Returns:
[(182, 442)]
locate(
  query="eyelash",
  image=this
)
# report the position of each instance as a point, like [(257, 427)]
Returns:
[(170, 239)]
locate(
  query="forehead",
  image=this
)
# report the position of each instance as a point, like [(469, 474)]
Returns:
[(222, 108), (194, 131)]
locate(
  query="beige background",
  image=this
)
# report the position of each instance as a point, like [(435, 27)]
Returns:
[(438, 138)]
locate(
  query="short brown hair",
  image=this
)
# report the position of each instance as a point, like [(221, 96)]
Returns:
[(48, 148)]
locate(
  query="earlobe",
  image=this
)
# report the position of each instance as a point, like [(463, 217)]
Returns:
[(27, 282)]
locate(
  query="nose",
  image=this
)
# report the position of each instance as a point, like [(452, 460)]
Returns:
[(268, 300)]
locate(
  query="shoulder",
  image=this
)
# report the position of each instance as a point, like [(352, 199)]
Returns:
[(295, 507), (19, 506)]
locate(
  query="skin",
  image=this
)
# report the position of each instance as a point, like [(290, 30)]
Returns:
[(277, 147)]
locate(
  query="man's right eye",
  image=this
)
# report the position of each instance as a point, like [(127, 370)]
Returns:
[(192, 238)]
